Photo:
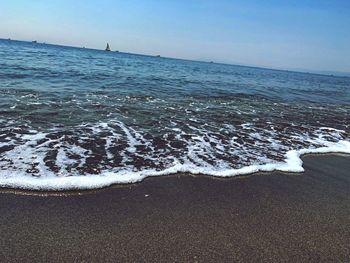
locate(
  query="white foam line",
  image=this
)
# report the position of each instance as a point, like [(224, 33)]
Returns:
[(292, 163), (131, 140)]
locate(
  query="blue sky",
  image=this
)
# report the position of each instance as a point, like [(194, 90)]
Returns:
[(299, 34)]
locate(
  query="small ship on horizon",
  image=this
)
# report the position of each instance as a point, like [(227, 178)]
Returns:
[(108, 48)]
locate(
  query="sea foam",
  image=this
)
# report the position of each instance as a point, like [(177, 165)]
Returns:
[(292, 163)]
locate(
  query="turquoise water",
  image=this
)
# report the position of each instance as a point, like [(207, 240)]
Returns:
[(115, 117)]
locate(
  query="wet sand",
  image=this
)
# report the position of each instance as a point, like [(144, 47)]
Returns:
[(264, 217)]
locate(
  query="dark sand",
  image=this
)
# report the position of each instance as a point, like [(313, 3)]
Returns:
[(265, 217)]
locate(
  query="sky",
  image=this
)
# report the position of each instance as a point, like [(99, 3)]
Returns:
[(291, 34)]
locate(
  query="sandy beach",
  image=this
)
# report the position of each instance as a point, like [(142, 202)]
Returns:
[(271, 217)]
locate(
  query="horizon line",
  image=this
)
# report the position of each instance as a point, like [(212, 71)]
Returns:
[(329, 73)]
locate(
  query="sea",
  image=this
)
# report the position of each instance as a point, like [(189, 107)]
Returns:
[(78, 118)]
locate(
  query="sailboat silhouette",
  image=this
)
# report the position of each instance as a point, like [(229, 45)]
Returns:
[(108, 48)]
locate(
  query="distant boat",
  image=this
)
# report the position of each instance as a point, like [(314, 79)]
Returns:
[(108, 48), (158, 56), (34, 41)]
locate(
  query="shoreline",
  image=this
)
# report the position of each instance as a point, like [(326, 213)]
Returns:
[(293, 163), (35, 192)]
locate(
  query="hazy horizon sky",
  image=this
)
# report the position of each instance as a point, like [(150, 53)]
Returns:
[(300, 34)]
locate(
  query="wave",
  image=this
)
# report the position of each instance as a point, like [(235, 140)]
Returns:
[(291, 163)]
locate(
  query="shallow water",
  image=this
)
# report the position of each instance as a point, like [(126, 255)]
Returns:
[(82, 118)]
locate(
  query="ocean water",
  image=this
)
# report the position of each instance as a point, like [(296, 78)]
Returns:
[(73, 118)]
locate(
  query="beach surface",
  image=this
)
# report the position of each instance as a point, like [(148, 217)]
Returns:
[(271, 217)]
